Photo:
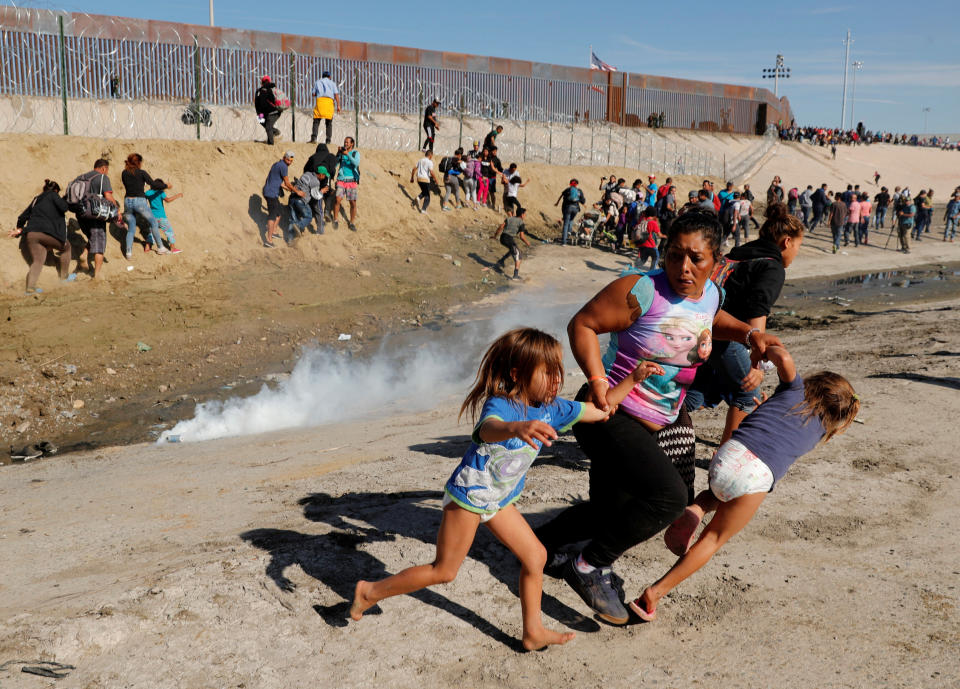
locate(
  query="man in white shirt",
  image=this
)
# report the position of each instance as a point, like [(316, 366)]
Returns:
[(744, 212), (328, 101), (423, 173)]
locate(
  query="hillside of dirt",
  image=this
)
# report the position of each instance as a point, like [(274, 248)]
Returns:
[(82, 362)]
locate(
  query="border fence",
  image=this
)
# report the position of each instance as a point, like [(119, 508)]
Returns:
[(95, 75)]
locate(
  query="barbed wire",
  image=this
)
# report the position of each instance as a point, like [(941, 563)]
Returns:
[(100, 76)]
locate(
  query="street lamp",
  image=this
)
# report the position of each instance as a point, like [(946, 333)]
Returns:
[(856, 64), (776, 73), (925, 112), (211, 12)]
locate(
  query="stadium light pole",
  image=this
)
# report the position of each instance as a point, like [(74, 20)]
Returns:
[(856, 64), (925, 111), (776, 73), (846, 64)]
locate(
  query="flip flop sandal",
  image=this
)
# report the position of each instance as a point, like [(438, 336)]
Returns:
[(637, 607)]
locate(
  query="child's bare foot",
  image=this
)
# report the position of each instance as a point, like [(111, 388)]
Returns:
[(534, 641), (360, 601), (679, 535), (645, 607)]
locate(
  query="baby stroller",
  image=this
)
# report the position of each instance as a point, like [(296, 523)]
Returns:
[(589, 222)]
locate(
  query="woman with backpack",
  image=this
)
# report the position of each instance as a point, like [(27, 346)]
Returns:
[(135, 205), (752, 277), (42, 227)]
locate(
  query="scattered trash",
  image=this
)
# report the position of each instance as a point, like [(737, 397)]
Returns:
[(70, 368), (859, 421), (78, 404), (485, 280), (143, 347), (457, 263), (24, 427), (446, 257), (561, 268), (41, 668), (173, 438), (129, 268), (25, 454), (344, 337)]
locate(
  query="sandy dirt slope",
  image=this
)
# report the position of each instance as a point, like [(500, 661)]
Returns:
[(230, 563)]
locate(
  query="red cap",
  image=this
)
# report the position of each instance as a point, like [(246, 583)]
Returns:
[(265, 78)]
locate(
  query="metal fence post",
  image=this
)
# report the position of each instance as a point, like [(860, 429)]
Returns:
[(63, 77), (550, 140), (419, 114), (293, 97), (591, 143), (356, 107), (196, 84), (609, 141), (525, 121), (460, 141)]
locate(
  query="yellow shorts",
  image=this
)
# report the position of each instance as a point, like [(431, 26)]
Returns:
[(323, 110)]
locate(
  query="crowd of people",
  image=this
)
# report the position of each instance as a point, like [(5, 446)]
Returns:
[(43, 230), (851, 213), (316, 195), (832, 136)]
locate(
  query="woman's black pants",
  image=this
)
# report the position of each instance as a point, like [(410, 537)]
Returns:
[(636, 487)]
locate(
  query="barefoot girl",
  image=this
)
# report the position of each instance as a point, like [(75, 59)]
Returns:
[(799, 415), (517, 384)]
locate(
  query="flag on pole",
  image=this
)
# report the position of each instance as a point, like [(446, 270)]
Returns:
[(597, 63)]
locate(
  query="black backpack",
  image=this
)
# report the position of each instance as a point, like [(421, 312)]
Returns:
[(445, 164)]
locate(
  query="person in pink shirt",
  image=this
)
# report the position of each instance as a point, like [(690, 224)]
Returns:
[(853, 222), (865, 208)]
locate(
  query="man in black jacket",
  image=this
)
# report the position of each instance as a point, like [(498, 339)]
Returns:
[(820, 203), (323, 158), (267, 109)]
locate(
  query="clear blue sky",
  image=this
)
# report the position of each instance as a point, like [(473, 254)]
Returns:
[(910, 53)]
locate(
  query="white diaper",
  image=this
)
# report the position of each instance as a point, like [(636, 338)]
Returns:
[(735, 471)]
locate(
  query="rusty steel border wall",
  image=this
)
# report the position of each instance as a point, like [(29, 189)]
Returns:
[(69, 56)]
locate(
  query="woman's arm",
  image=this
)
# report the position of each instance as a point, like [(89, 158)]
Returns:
[(613, 308), (726, 327)]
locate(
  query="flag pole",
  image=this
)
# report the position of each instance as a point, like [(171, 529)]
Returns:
[(590, 58)]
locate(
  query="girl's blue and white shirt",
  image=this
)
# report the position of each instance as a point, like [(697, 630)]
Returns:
[(491, 475)]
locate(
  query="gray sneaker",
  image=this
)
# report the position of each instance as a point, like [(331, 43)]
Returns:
[(598, 591)]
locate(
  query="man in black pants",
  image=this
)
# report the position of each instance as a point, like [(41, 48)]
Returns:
[(496, 170), (430, 123)]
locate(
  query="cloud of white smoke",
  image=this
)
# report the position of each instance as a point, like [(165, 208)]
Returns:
[(328, 386)]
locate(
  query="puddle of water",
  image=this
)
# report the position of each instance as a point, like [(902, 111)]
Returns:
[(883, 288)]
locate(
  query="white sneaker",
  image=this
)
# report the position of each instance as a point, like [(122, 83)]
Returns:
[(162, 250), (423, 211)]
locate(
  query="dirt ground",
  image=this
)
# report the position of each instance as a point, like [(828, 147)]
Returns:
[(230, 562), (223, 314)]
